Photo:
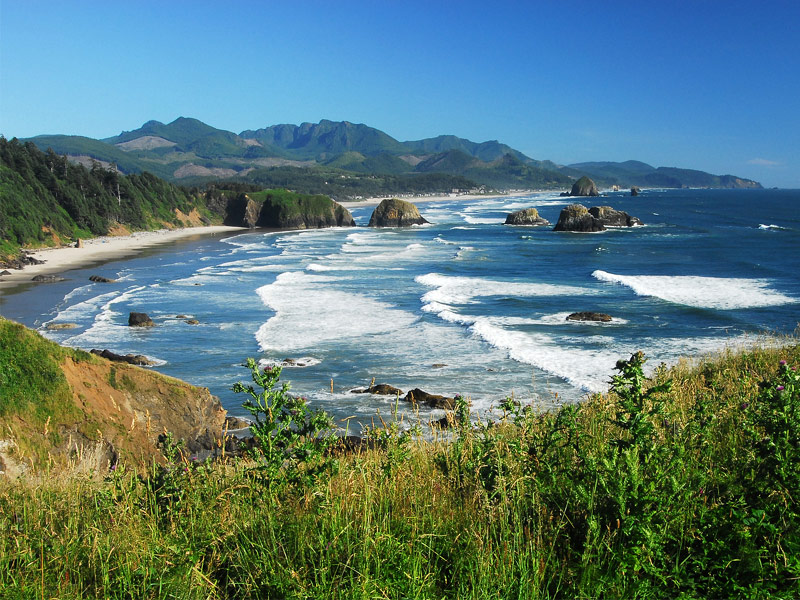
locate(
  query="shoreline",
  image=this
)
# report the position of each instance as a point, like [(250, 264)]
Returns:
[(102, 249)]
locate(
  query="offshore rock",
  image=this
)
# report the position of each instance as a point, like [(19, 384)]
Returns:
[(417, 396), (576, 217), (584, 187), (395, 213), (589, 316), (380, 389), (635, 191), (99, 279), (528, 216), (137, 319), (611, 217)]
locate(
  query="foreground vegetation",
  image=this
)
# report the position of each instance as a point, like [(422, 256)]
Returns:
[(683, 486)]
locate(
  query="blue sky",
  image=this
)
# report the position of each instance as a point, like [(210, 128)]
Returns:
[(700, 84)]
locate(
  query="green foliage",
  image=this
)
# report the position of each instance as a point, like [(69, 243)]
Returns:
[(43, 194), (651, 491), (292, 441)]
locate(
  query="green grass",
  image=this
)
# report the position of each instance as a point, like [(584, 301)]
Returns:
[(646, 492)]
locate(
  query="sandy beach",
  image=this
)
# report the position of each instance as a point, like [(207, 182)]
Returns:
[(102, 249)]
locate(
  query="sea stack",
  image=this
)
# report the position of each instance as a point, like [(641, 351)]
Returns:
[(576, 217), (395, 213), (584, 187), (528, 216)]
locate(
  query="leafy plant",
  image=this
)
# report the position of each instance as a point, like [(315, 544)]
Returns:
[(291, 440)]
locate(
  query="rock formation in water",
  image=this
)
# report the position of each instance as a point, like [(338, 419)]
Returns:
[(589, 316), (395, 213), (137, 319), (576, 217), (611, 217), (417, 396), (584, 187), (528, 216)]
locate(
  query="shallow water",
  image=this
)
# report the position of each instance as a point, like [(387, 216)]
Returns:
[(464, 305)]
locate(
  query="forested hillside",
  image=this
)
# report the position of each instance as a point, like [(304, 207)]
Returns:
[(45, 198)]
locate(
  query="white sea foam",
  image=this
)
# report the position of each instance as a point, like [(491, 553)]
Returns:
[(481, 220), (718, 293), (451, 290), (771, 227), (309, 312)]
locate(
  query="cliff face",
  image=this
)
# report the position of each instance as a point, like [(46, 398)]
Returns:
[(287, 211), (102, 411)]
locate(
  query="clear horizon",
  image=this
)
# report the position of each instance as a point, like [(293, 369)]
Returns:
[(704, 85)]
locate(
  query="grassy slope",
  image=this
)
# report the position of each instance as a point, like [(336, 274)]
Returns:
[(682, 497)]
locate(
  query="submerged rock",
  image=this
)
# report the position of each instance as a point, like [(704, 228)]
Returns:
[(99, 279), (381, 389), (576, 217), (48, 278), (528, 216), (395, 213), (60, 326), (589, 316)]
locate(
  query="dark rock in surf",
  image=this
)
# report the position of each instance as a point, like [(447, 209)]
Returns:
[(137, 319), (611, 217), (380, 389), (395, 213), (99, 279), (576, 217), (589, 316), (635, 191), (417, 396), (528, 216)]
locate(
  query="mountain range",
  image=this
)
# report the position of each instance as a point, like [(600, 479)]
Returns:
[(189, 151)]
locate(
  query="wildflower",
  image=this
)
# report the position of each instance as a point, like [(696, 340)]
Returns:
[(744, 405), (782, 363), (780, 388)]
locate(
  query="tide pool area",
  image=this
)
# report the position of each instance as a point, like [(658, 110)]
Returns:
[(465, 305)]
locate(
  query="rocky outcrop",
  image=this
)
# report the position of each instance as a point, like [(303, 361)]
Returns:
[(99, 279), (528, 216), (303, 212), (611, 217), (47, 278), (417, 396), (132, 359), (137, 319), (395, 213), (380, 389), (584, 187), (576, 217), (635, 191), (107, 411), (20, 262), (589, 316), (241, 211)]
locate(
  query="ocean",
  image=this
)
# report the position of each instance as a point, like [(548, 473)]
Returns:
[(465, 305)]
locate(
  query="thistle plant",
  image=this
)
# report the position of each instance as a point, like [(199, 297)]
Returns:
[(291, 440)]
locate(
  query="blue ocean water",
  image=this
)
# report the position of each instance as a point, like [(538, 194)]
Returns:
[(465, 305)]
